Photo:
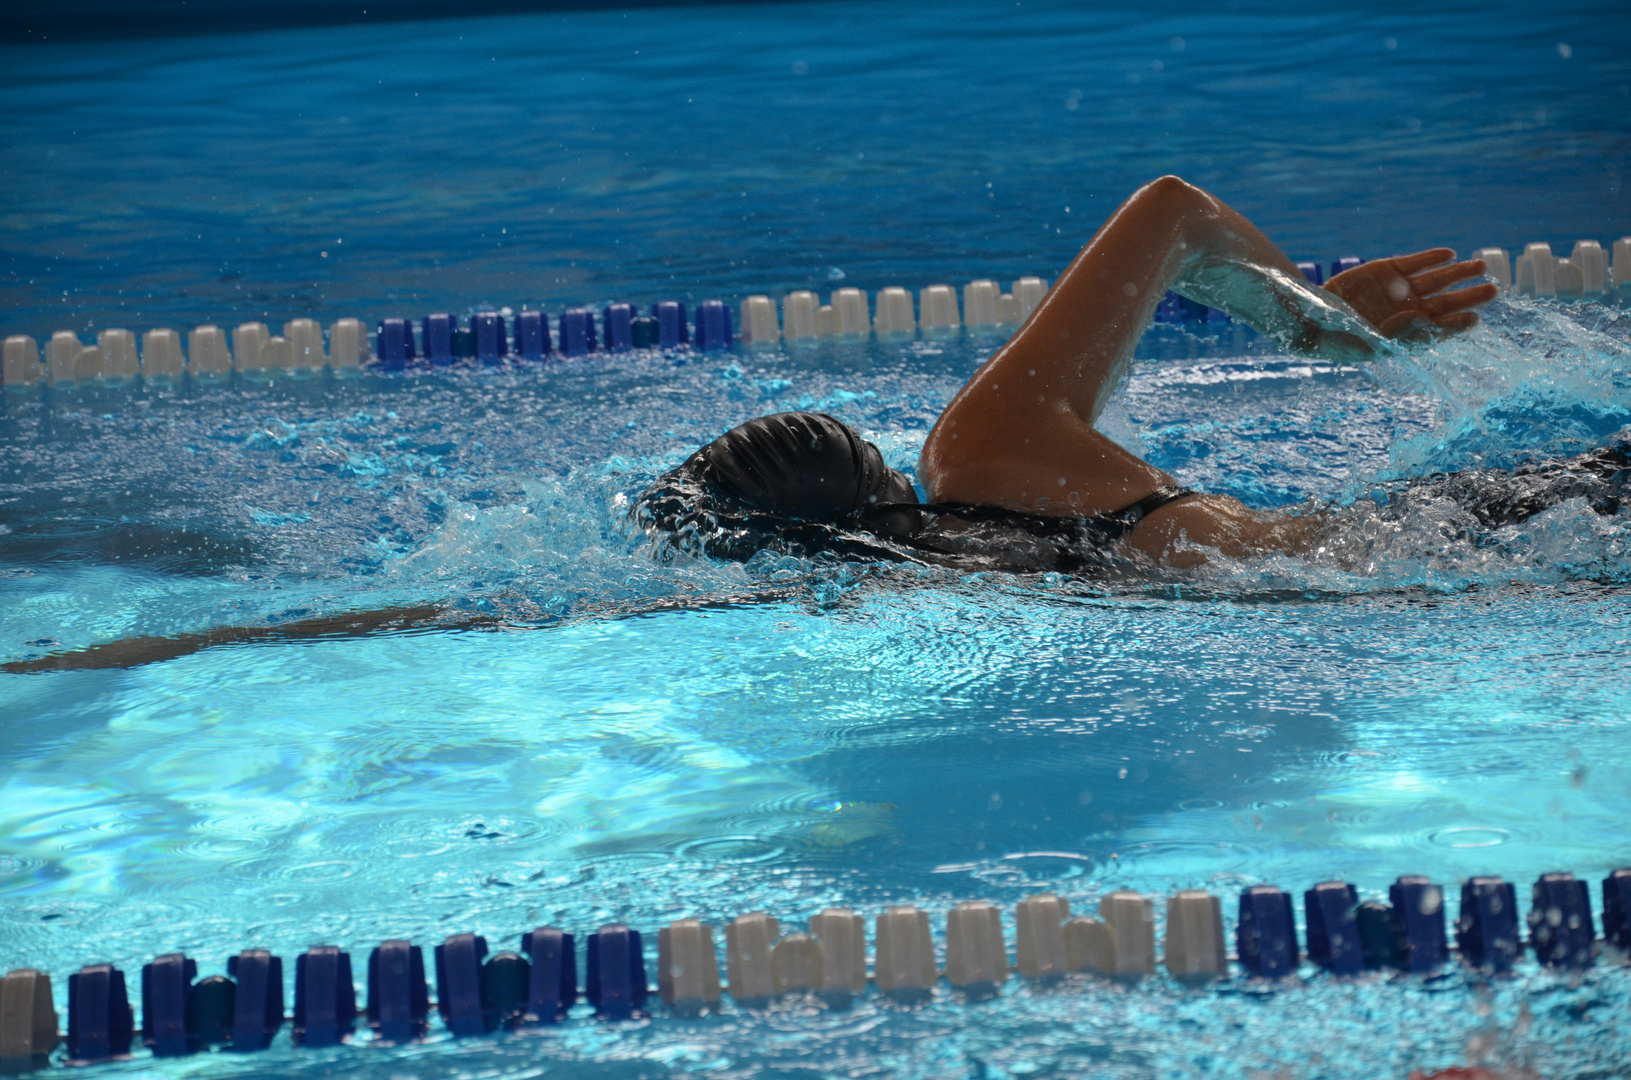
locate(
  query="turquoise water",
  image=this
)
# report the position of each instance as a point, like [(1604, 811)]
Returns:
[(649, 742)]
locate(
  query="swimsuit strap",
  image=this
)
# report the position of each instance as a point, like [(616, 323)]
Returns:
[(1155, 500)]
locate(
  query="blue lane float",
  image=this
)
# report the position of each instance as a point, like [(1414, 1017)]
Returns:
[(532, 338), (477, 994), (615, 982), (1380, 939), (1347, 262), (394, 343), (458, 983), (577, 332), (491, 339), (1487, 931), (505, 981), (101, 1023), (1418, 907), (325, 997), (436, 337), (644, 332), (1333, 930), (211, 1009), (713, 325), (671, 327), (167, 985), (1617, 910), (1560, 927), (552, 978), (257, 999), (398, 1000), (617, 327), (1266, 936)]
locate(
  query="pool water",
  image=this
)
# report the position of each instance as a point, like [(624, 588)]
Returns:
[(643, 741)]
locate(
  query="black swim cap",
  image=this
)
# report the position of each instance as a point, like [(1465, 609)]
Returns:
[(794, 482), (801, 465)]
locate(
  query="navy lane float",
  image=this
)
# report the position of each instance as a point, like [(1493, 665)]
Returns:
[(536, 985)]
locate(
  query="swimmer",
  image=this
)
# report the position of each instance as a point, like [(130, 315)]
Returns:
[(1016, 473), (1017, 476)]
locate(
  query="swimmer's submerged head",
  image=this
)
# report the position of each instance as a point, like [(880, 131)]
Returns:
[(797, 468)]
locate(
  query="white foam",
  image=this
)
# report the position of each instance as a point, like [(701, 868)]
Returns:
[(826, 321), (1008, 310), (1090, 945), (843, 948), (277, 354), (1133, 918), (797, 963)]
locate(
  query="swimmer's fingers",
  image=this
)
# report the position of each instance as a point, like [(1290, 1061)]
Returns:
[(1458, 300), (1436, 280), (1410, 265)]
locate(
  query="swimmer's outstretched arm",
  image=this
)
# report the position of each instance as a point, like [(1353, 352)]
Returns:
[(426, 618), (1020, 433), (136, 651)]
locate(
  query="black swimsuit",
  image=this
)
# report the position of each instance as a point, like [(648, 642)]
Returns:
[(994, 538)]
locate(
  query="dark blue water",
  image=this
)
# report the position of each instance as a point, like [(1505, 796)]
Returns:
[(650, 742), (638, 154)]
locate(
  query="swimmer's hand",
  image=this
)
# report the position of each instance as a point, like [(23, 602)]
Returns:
[(1409, 297)]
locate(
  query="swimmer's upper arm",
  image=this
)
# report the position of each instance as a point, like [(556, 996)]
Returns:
[(1051, 463)]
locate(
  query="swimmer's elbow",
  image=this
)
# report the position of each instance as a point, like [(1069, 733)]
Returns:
[(1174, 190)]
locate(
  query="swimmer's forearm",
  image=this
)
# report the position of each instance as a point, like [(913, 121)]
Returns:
[(1219, 258), (1298, 316), (1180, 533)]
